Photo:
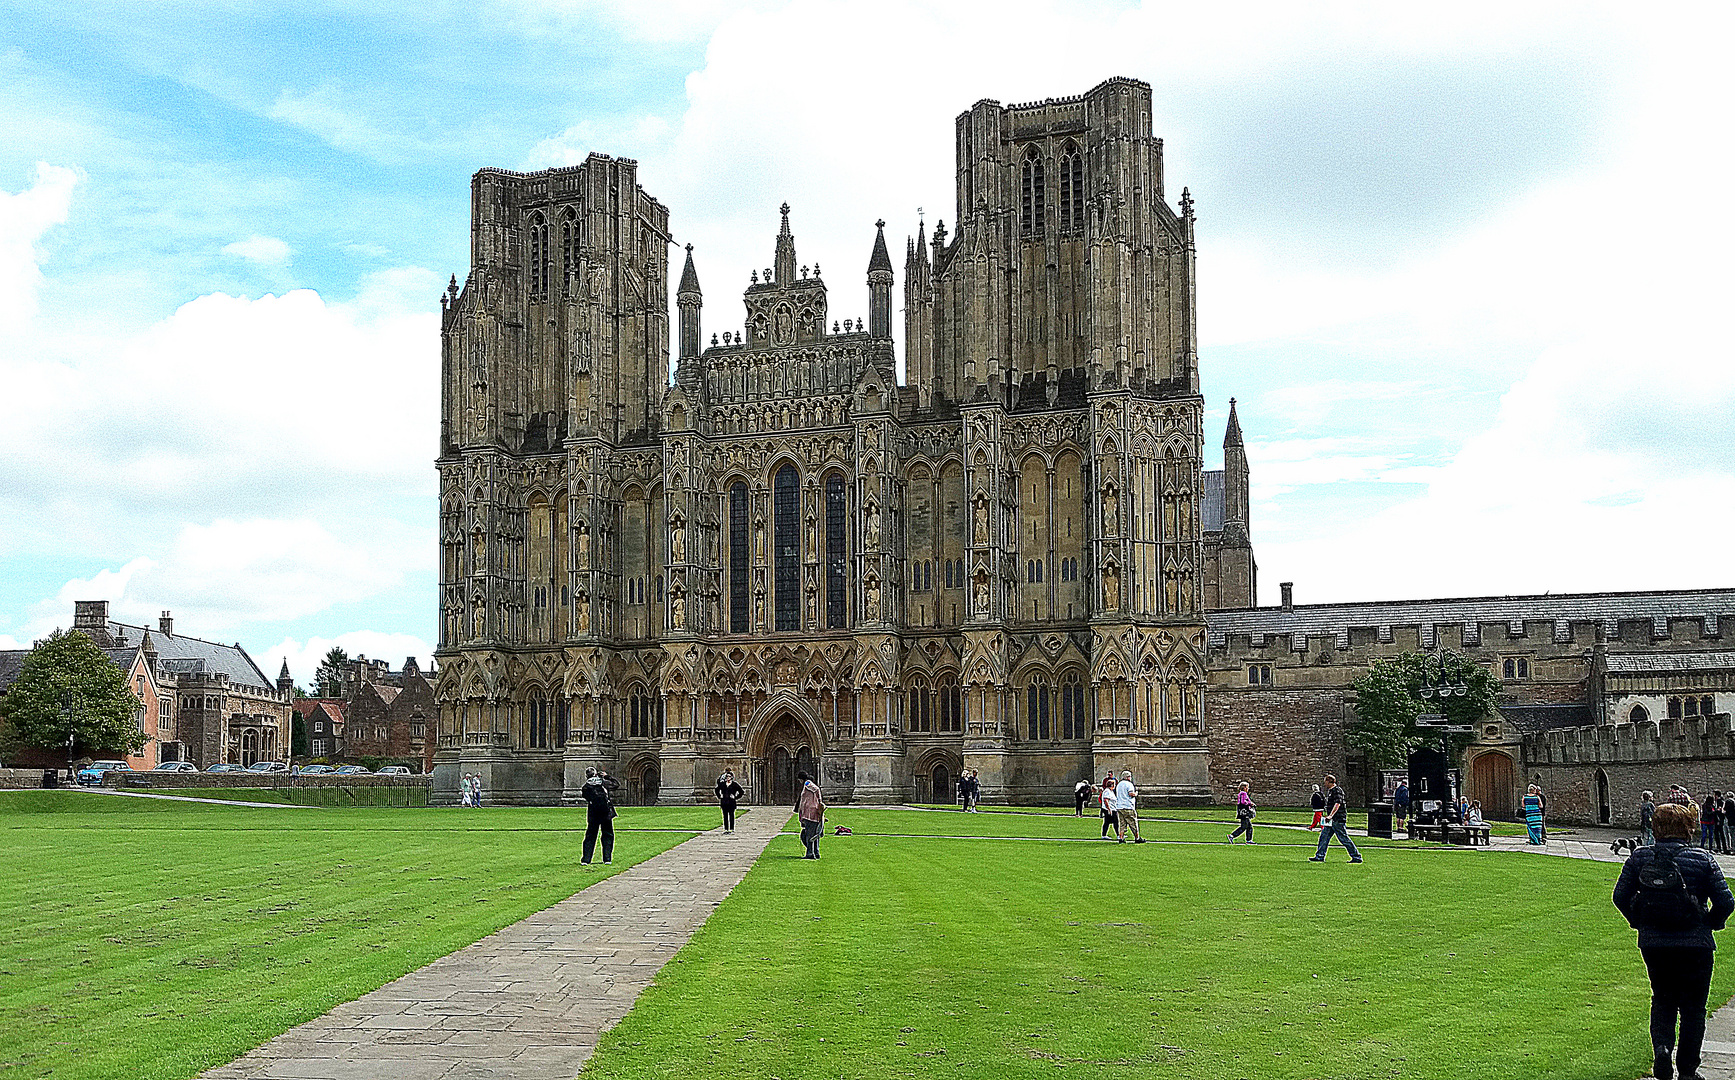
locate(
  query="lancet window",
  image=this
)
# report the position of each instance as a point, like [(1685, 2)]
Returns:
[(786, 539)]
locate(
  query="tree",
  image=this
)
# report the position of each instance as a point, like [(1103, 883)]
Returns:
[(328, 679), (1389, 699), (69, 687), (298, 744)]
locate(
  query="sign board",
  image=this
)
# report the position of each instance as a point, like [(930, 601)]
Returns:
[(1455, 729), (1431, 718)]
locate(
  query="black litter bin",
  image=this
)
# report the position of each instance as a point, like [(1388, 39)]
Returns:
[(1380, 820), (50, 778)]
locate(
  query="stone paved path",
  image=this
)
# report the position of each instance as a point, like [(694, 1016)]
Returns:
[(531, 1001)]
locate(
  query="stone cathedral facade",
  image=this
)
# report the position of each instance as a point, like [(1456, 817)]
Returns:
[(786, 557)]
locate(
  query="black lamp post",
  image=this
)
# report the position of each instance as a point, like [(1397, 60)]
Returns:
[(1438, 685)]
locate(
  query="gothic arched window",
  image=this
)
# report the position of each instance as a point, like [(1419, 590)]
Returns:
[(951, 706), (786, 540), (836, 558), (538, 256), (1038, 704), (569, 246), (1033, 207), (921, 713), (1639, 715), (1072, 722), (1071, 188), (738, 558)]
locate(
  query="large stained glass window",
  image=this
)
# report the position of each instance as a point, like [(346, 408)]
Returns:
[(786, 539)]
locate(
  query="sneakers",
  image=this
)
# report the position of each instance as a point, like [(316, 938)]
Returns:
[(1316, 858), (1138, 839), (1355, 860)]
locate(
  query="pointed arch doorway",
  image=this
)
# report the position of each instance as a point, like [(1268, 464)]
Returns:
[(789, 751)]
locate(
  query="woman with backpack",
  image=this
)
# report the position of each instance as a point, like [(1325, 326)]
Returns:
[(1674, 895), (1244, 813)]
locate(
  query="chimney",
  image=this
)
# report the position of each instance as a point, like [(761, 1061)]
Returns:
[(91, 617), (1288, 588), (166, 625)]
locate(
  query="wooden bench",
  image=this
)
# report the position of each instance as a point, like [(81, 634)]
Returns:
[(1465, 835)]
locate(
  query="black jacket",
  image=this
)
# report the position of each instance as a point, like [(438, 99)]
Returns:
[(1704, 880), (596, 791), (728, 793), (1318, 801)]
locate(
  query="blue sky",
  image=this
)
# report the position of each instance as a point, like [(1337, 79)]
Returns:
[(1463, 269)]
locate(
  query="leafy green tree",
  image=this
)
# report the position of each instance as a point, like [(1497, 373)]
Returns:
[(68, 687), (1389, 699), (328, 679)]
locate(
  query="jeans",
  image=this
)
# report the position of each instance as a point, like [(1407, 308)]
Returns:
[(728, 817), (810, 834), (1706, 828), (1246, 826), (1680, 981), (1335, 827), (590, 831)]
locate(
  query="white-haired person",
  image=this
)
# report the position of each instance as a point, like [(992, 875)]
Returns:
[(1244, 809)]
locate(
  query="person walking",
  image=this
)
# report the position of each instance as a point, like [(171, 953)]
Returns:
[(1105, 800), (1080, 795), (1244, 809), (1647, 811), (1126, 807), (1318, 801), (728, 797), (1707, 820), (964, 790), (599, 813), (1675, 897), (810, 808), (1542, 812), (1336, 822), (1533, 813)]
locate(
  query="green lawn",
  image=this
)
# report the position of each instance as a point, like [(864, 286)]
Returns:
[(154, 939), (911, 955)]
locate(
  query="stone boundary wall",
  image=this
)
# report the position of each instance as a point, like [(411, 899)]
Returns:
[(266, 781), (21, 779), (1698, 753), (1280, 741)]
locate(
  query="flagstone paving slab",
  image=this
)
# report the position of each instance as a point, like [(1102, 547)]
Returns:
[(530, 1001)]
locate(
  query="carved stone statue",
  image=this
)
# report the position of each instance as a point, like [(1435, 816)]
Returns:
[(583, 542), (677, 612), (1111, 589), (873, 526), (678, 542), (982, 595), (981, 521), (759, 540), (870, 608), (1110, 514), (581, 614)]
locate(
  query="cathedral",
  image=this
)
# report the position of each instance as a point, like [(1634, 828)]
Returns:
[(787, 558)]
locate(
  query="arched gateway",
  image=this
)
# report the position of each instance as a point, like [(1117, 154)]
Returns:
[(782, 742)]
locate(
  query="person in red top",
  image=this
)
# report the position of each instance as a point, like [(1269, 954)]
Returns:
[(810, 808)]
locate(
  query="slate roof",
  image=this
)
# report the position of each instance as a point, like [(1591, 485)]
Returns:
[(1561, 609), (1211, 500), (1637, 663), (11, 663), (180, 654), (1529, 718)]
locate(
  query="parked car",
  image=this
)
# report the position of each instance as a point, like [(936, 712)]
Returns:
[(316, 770), (353, 770), (175, 766), (223, 766), (92, 773), (268, 767), (394, 770)]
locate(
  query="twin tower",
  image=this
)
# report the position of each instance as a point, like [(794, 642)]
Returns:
[(789, 558)]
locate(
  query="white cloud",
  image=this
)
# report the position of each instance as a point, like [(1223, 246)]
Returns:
[(264, 250), (639, 137), (24, 218), (324, 113)]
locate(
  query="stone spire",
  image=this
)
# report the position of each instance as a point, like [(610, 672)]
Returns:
[(785, 251), (689, 277), (689, 300), (1232, 437), (879, 280)]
